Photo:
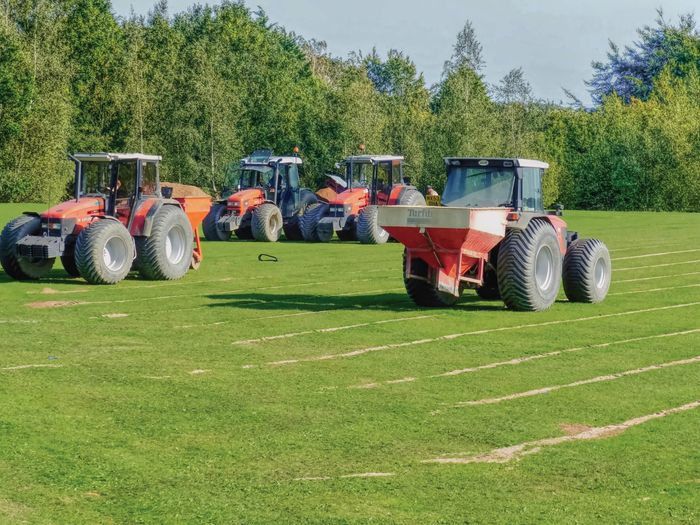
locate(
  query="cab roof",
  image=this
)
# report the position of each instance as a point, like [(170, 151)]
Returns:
[(373, 158), (252, 161), (109, 157), (498, 162)]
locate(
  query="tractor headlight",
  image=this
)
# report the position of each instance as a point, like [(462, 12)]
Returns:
[(348, 207), (51, 225)]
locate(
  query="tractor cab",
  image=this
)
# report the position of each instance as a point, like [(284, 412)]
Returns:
[(377, 173), (120, 180), (494, 183)]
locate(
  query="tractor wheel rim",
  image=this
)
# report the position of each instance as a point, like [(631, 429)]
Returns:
[(544, 268), (600, 273), (274, 223), (114, 253), (175, 245)]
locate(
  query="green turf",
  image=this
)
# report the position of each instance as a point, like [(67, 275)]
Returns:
[(123, 431)]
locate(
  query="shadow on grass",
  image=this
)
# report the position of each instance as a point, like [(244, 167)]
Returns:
[(385, 301)]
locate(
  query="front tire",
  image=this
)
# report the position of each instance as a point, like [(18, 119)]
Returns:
[(368, 229), (212, 232), (68, 258), (267, 223), (22, 268), (587, 271), (104, 252), (529, 267), (166, 254)]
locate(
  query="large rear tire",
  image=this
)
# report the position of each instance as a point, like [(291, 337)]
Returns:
[(368, 229), (292, 228), (267, 223), (166, 254), (529, 267), (104, 252), (421, 290), (587, 271), (412, 198), (22, 268), (309, 221), (211, 231)]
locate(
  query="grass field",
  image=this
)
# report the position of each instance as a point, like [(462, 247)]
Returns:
[(311, 390)]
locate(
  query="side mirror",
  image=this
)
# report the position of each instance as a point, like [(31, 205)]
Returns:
[(559, 209), (167, 192)]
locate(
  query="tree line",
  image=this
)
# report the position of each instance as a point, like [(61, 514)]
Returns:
[(205, 87)]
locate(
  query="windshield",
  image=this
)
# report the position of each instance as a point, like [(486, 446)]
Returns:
[(360, 173), (95, 178), (479, 187)]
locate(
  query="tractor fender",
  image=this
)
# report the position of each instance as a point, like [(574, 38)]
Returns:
[(559, 225), (31, 213), (143, 228)]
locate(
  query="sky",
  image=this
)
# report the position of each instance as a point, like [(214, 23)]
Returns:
[(554, 41)]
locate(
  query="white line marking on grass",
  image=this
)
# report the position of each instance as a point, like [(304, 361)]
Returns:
[(582, 382), (505, 454), (19, 321), (663, 265), (348, 476), (448, 337), (654, 255), (527, 358), (668, 276), (656, 289), (328, 330), (24, 367), (647, 246)]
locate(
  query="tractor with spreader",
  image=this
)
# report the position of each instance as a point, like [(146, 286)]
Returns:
[(492, 234), (119, 219), (371, 181), (261, 199)]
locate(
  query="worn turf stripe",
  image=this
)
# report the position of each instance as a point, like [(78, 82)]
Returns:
[(654, 254), (328, 330), (24, 367), (505, 454), (582, 382), (348, 476), (524, 359), (656, 289), (663, 265), (667, 276), (448, 337), (647, 246)]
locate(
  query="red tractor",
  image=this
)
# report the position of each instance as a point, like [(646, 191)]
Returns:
[(372, 181), (119, 219), (492, 234), (262, 198)]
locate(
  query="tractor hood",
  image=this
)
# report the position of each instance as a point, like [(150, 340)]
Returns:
[(239, 202), (81, 210), (353, 196)]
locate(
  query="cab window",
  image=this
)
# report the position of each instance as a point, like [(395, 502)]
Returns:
[(532, 189), (149, 178), (126, 175)]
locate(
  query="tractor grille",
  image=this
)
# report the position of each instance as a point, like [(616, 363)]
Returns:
[(336, 211), (33, 251)]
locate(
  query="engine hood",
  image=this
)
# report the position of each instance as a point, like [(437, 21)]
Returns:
[(84, 208), (353, 196)]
